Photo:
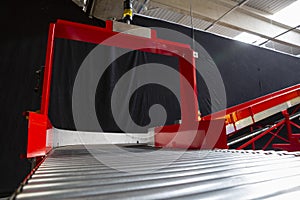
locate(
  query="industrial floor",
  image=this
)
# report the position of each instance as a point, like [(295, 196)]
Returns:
[(140, 172)]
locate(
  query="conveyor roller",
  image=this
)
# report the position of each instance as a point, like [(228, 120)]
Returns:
[(139, 172)]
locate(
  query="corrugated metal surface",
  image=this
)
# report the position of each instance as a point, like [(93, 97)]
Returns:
[(139, 5), (225, 31), (283, 48), (197, 23), (186, 20), (106, 9), (104, 172), (79, 2), (268, 6), (164, 14), (178, 18)]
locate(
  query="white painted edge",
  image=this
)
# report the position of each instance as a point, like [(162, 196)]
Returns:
[(67, 137)]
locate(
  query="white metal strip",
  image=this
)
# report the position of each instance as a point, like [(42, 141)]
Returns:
[(67, 137)]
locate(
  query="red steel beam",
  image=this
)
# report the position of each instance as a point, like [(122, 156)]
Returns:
[(250, 108), (48, 71), (37, 134), (260, 135), (86, 33)]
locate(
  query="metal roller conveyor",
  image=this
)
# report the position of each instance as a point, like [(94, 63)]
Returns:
[(141, 172)]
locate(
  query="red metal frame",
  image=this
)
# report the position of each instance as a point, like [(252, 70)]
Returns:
[(250, 108), (37, 128), (189, 112), (86, 33), (92, 34), (242, 111), (253, 107), (48, 71), (291, 143), (199, 137)]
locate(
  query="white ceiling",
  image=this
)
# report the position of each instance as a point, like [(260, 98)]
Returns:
[(268, 6), (256, 18)]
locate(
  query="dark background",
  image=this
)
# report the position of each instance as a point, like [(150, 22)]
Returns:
[(65, 71), (24, 29), (248, 72)]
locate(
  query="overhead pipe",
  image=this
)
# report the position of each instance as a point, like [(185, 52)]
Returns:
[(283, 33), (143, 5), (88, 7), (242, 3)]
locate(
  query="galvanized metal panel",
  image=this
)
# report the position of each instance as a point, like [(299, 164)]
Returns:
[(164, 14), (269, 6), (224, 31), (108, 9), (283, 48), (186, 20), (141, 172), (195, 22), (80, 3)]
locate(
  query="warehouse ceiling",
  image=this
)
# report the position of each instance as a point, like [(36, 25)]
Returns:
[(271, 24)]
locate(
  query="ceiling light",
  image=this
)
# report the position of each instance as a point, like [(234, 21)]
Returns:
[(248, 38), (288, 15)]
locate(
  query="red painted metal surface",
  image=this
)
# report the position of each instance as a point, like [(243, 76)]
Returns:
[(189, 106), (87, 33), (250, 108), (48, 71), (264, 99), (39, 142), (37, 130), (207, 135), (261, 135), (97, 35), (290, 144), (293, 138)]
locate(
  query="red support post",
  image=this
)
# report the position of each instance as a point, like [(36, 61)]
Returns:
[(296, 125), (260, 136), (37, 134), (270, 140), (109, 25), (48, 71), (294, 144), (288, 124), (256, 106), (189, 104)]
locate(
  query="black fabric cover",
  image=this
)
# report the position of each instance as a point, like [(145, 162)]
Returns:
[(247, 71), (24, 30), (69, 56)]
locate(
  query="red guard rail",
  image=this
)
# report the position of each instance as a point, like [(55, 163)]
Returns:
[(251, 112), (236, 118)]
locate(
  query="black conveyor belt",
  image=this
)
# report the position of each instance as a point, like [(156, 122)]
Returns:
[(138, 172)]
